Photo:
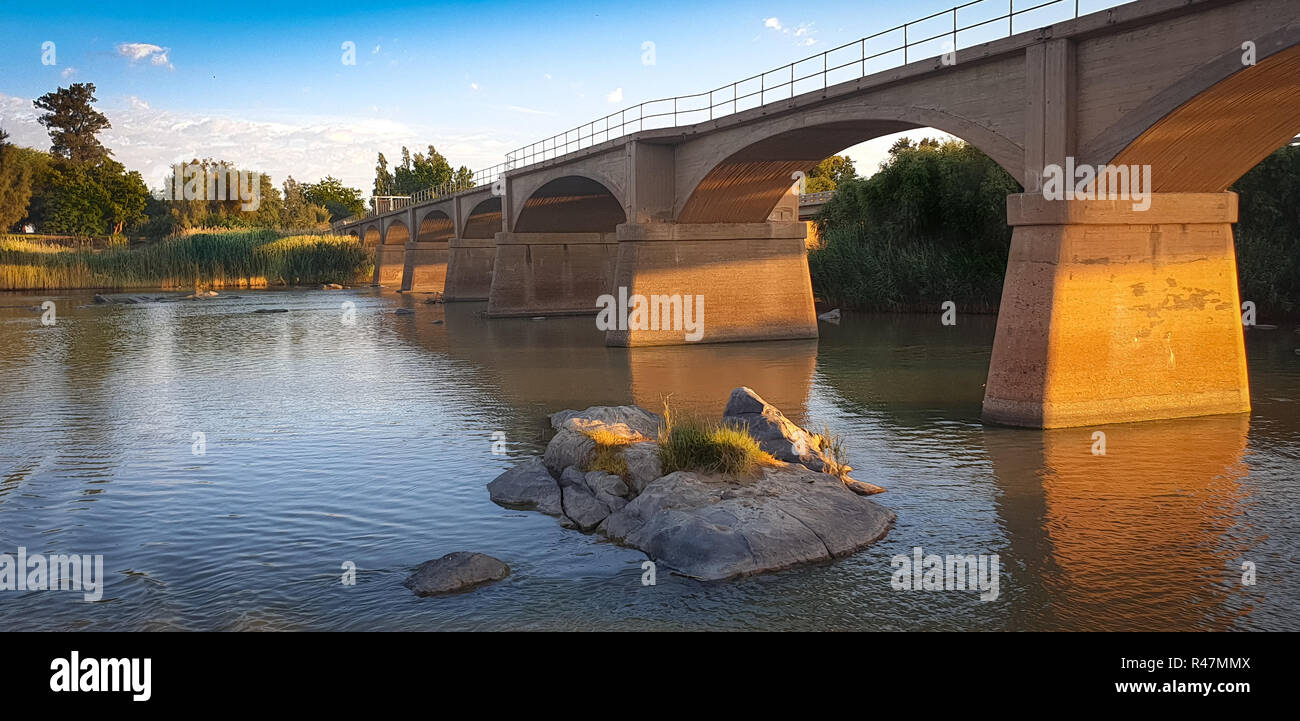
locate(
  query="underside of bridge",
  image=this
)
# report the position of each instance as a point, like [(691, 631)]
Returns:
[(390, 255), (560, 257), (471, 252), (425, 266)]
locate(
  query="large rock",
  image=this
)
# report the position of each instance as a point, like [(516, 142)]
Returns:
[(642, 465), (528, 485), (635, 418), (600, 481), (775, 433), (568, 448), (711, 528), (582, 507), (459, 571)]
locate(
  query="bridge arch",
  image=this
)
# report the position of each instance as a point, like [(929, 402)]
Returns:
[(372, 236), (1211, 136), (570, 203), (396, 233), (743, 177), (483, 221), (435, 227)]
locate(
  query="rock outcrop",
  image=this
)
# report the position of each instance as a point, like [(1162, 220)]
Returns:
[(701, 525)]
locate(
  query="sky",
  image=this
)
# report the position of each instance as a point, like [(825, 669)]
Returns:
[(267, 85)]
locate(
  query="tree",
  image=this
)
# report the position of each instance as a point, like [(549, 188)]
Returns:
[(15, 184), (299, 212), (340, 200), (383, 178), (124, 195), (830, 173), (73, 123)]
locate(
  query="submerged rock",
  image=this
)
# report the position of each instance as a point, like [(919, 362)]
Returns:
[(271, 310), (459, 571), (102, 299), (331, 286), (830, 316), (403, 311)]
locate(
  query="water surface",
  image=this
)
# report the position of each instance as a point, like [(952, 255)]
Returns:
[(371, 442)]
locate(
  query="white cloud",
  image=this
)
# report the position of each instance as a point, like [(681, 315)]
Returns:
[(375, 51), (151, 139), (473, 86), (547, 76), (68, 72), (616, 96), (136, 52), (802, 33)]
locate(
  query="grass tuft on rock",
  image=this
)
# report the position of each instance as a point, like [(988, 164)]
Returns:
[(608, 456), (689, 443)]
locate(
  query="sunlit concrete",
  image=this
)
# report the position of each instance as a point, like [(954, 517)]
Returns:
[(1110, 314)]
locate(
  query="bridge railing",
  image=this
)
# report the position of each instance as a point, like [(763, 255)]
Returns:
[(845, 62), (849, 61)]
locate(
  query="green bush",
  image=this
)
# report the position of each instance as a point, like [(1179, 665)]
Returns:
[(930, 226), (692, 444)]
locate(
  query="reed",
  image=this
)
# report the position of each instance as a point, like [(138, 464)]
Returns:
[(240, 259)]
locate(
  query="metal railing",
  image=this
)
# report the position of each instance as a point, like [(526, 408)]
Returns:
[(753, 92)]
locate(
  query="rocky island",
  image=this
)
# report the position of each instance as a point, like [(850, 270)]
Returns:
[(649, 482)]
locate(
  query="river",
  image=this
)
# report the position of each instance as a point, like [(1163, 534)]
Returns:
[(336, 434)]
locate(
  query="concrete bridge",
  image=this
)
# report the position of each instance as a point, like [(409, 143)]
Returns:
[(1108, 313)]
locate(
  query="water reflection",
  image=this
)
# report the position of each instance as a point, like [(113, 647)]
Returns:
[(1149, 535), (371, 442)]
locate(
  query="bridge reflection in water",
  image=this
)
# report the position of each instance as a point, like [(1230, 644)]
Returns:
[(1149, 536)]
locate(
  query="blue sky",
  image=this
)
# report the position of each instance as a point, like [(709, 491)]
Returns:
[(264, 84)]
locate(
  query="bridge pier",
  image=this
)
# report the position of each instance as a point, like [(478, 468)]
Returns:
[(425, 266), (551, 273), (1111, 314), (469, 268), (752, 278), (389, 261)]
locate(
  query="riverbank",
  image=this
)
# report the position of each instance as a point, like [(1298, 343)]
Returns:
[(230, 259)]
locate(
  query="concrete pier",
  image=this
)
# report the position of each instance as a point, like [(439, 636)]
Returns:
[(1110, 314), (551, 273), (752, 277)]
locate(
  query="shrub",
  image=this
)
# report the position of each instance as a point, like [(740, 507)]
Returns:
[(692, 444)]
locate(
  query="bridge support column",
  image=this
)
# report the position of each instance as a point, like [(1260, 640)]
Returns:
[(751, 277), (425, 267), (469, 268), (551, 273), (389, 260), (1111, 314)]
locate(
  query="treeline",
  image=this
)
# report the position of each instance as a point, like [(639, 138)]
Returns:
[(418, 172), (931, 226), (77, 188)]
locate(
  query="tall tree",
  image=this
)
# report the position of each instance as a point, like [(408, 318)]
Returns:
[(73, 123), (383, 178), (15, 184)]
